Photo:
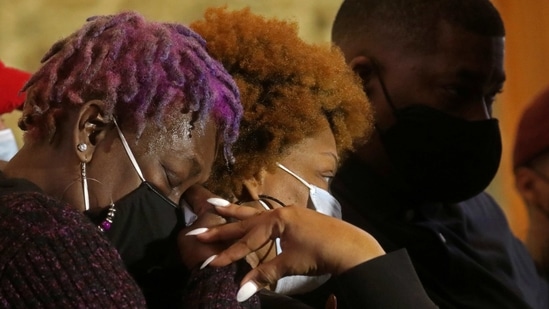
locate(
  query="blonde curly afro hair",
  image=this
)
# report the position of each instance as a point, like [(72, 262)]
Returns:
[(288, 90)]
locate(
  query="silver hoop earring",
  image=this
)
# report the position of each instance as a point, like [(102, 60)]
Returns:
[(82, 147), (84, 185)]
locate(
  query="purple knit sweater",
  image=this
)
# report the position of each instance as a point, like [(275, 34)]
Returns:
[(216, 288), (51, 256)]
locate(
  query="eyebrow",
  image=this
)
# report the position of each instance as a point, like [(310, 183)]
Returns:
[(468, 75), (336, 158)]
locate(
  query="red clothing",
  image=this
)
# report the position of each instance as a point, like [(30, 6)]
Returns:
[(11, 82)]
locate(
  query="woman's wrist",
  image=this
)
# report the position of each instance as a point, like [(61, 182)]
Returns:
[(362, 247)]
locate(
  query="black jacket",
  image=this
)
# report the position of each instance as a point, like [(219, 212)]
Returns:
[(465, 253)]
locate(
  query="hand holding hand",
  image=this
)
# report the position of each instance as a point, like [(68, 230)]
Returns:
[(194, 252), (312, 243)]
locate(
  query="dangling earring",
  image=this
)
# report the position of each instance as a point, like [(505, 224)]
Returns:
[(105, 225), (84, 185), (83, 147)]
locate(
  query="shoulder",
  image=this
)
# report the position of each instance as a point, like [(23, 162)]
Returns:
[(53, 246), (37, 214), (26, 210), (34, 219), (483, 199), (482, 207)]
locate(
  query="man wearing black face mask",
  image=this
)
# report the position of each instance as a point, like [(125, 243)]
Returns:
[(431, 69)]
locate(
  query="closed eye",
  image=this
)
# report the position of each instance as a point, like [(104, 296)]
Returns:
[(328, 179), (173, 180), (460, 93)]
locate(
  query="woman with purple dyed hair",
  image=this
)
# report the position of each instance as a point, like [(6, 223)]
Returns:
[(123, 116)]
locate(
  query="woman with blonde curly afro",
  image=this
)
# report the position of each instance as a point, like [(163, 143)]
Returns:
[(304, 109), (293, 94)]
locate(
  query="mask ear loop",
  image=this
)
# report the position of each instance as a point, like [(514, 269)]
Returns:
[(128, 150), (377, 71), (311, 188), (267, 207), (264, 205), (278, 247)]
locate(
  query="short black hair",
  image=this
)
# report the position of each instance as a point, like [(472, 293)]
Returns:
[(410, 21)]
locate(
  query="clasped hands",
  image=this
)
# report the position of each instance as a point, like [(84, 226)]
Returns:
[(312, 243)]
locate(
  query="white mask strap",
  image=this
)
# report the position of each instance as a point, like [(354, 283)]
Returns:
[(128, 151), (295, 175), (264, 205)]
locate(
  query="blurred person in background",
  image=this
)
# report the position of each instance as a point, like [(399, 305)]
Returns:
[(11, 83), (531, 169)]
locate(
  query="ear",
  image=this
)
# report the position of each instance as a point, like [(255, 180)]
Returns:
[(525, 183), (91, 128), (365, 68), (253, 187)]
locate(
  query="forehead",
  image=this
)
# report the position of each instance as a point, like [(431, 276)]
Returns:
[(312, 150), (457, 53), (459, 50), (181, 133)]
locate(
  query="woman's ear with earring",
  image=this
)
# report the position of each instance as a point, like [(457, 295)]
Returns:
[(82, 147), (91, 129)]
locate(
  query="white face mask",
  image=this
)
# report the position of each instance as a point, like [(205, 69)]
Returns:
[(8, 145), (322, 200), (324, 203)]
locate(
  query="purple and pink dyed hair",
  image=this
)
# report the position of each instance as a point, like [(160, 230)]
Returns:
[(140, 69)]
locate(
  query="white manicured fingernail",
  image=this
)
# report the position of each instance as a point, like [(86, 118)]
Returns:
[(197, 231), (216, 201), (208, 261), (246, 291)]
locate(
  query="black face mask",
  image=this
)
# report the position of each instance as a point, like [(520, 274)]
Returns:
[(440, 157), (144, 232), (142, 227)]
